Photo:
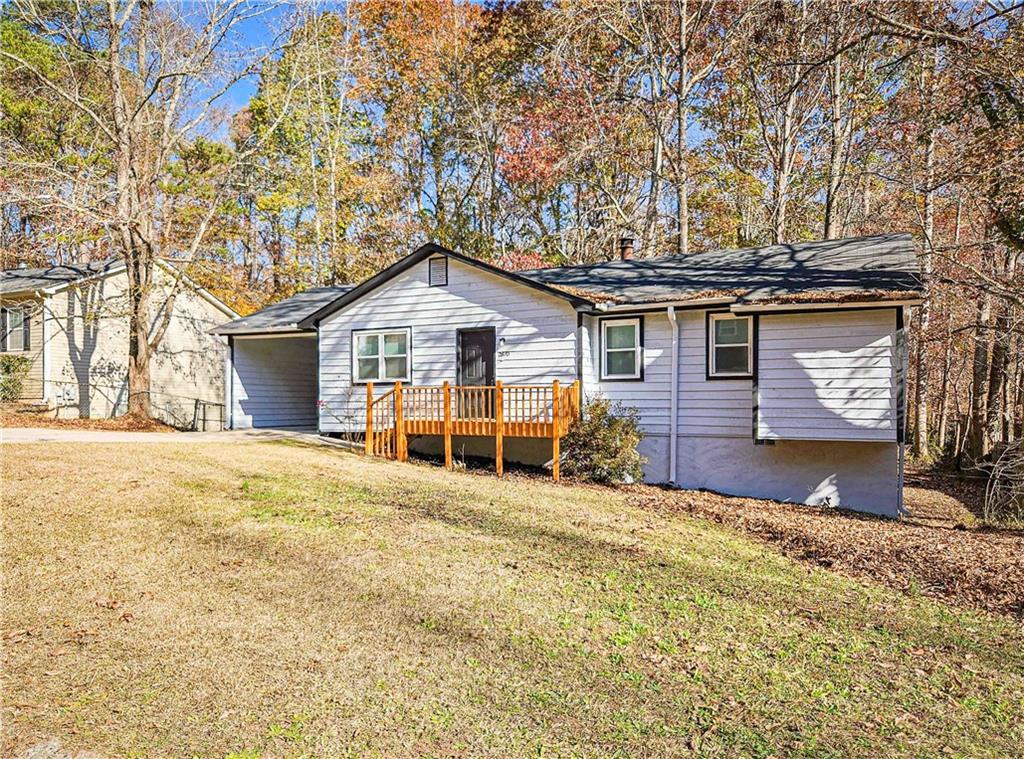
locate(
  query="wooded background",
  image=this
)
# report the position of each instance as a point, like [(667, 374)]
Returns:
[(270, 148)]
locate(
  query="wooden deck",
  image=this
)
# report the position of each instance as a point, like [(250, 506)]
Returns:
[(498, 411)]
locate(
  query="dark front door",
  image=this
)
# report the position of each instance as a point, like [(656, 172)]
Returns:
[(475, 356), (475, 368)]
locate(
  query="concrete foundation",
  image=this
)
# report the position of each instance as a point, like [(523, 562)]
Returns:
[(860, 476), (857, 475)]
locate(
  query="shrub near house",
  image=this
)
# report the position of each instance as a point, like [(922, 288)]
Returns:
[(602, 446), (13, 371)]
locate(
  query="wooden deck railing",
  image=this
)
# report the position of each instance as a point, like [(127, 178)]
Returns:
[(499, 411)]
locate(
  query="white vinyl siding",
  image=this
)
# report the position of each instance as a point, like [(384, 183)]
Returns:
[(535, 334), (716, 408), (848, 355), (651, 396), (828, 376), (189, 363), (273, 383)]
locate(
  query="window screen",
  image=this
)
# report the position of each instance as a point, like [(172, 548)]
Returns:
[(621, 354), (729, 346)]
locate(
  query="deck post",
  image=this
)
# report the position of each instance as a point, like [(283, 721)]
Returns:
[(556, 451), (499, 429), (401, 453), (447, 426), (369, 418)]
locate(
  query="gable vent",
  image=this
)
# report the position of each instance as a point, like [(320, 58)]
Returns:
[(438, 271)]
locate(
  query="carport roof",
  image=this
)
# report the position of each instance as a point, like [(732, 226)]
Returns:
[(285, 315)]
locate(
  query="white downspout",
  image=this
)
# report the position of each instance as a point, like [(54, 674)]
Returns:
[(229, 384), (44, 335), (673, 420), (902, 393)]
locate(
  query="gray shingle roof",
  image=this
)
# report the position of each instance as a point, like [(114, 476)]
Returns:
[(849, 267), (285, 315), (26, 280)]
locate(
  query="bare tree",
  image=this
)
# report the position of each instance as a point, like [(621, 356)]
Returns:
[(147, 79), (787, 94)]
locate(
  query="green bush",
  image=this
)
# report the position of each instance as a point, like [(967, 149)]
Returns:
[(13, 370), (602, 446)]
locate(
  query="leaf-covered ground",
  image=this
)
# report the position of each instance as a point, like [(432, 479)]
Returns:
[(276, 600), (27, 415), (932, 553)]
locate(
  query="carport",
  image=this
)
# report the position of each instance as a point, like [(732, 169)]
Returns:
[(271, 372)]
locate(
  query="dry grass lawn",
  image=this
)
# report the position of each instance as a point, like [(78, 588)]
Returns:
[(258, 600)]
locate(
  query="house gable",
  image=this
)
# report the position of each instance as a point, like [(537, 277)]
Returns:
[(421, 254), (535, 333)]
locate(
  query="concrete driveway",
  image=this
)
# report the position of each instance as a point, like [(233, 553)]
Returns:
[(48, 435)]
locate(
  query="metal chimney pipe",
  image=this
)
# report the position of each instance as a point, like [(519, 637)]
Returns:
[(626, 248)]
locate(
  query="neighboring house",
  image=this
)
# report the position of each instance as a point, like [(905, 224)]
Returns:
[(72, 323), (774, 372)]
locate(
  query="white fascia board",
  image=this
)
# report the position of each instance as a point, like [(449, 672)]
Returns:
[(270, 334), (824, 306), (658, 305)]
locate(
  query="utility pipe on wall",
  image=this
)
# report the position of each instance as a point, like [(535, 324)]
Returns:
[(673, 420)]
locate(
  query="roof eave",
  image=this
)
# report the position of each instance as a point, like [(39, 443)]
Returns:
[(226, 330), (657, 305), (752, 307)]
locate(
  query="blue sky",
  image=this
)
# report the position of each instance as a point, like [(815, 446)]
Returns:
[(255, 34)]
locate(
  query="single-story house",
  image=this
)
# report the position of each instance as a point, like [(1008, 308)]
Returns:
[(775, 372), (71, 322)]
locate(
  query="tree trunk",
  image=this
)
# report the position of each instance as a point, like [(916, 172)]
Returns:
[(682, 118), (657, 161), (947, 362), (139, 400), (138, 264), (1017, 407), (978, 443), (998, 369), (835, 161), (921, 391), (651, 217), (780, 188)]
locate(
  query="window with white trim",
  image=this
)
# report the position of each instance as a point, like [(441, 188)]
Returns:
[(381, 355), (729, 346), (13, 329), (621, 349)]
